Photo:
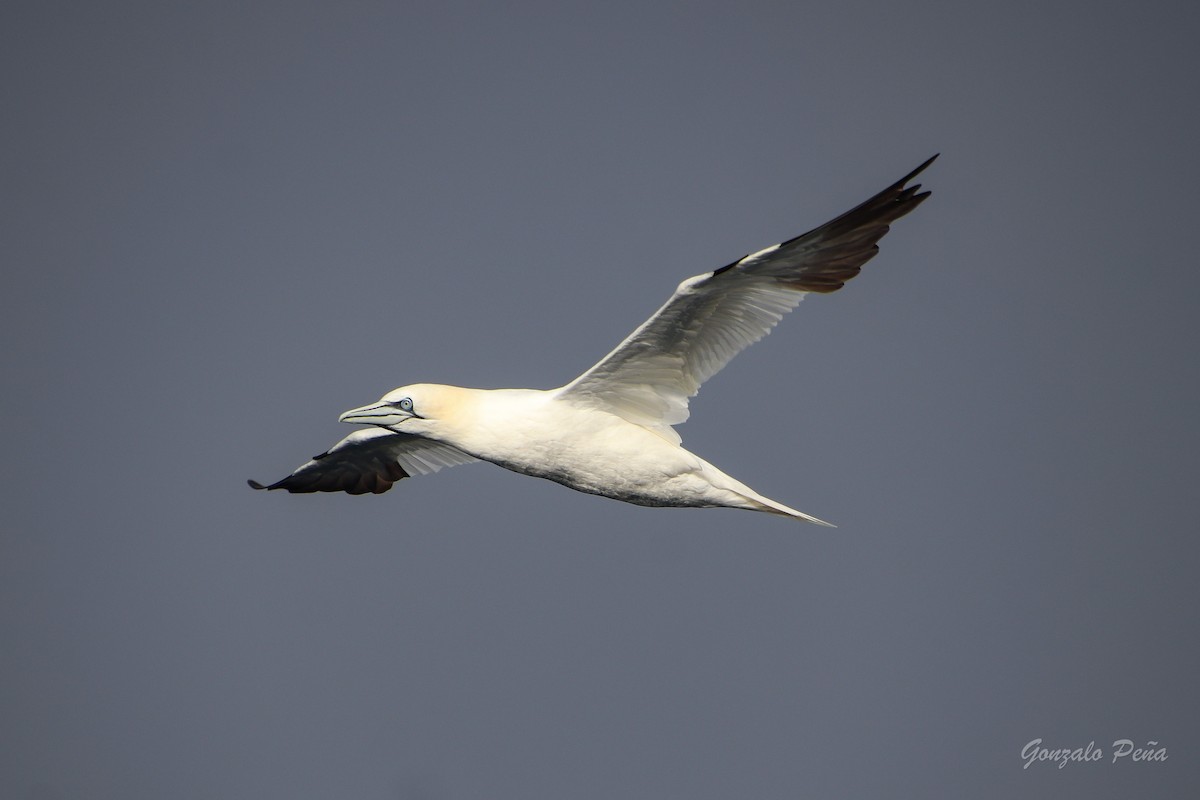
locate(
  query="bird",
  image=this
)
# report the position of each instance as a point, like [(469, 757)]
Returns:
[(611, 431)]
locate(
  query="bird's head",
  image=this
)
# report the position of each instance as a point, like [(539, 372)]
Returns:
[(417, 409)]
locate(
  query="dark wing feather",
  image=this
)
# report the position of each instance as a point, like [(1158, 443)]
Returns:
[(823, 259), (369, 461)]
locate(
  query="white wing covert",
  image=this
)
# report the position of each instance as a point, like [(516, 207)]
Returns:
[(370, 460), (650, 376)]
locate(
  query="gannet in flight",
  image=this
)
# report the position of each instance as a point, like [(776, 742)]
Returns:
[(609, 431)]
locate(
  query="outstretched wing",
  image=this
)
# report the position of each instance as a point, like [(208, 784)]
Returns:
[(712, 317), (370, 460)]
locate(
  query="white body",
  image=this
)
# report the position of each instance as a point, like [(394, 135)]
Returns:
[(539, 433)]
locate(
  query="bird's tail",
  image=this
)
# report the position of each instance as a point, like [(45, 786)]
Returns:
[(754, 501), (771, 507)]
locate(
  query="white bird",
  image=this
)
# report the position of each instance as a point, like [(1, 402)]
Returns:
[(609, 431)]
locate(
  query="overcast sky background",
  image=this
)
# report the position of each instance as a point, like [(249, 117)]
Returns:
[(225, 224)]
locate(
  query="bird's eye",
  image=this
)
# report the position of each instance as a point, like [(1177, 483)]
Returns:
[(405, 404)]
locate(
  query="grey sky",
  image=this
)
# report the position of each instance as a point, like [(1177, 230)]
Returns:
[(224, 225)]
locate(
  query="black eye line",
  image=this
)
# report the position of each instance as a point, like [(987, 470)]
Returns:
[(400, 405)]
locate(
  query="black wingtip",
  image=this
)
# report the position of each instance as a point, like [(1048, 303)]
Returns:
[(918, 170), (255, 484)]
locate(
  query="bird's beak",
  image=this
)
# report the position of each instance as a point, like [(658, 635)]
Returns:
[(384, 414)]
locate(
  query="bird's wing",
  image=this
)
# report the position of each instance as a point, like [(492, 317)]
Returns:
[(712, 317), (370, 460)]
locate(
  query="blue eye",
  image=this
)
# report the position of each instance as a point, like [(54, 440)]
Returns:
[(405, 404)]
